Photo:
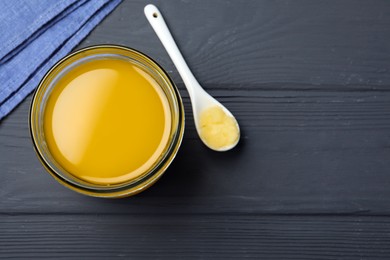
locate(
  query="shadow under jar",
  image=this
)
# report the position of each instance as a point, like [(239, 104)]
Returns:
[(106, 121)]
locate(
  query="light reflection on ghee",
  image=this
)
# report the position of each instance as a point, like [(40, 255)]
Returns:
[(74, 142)]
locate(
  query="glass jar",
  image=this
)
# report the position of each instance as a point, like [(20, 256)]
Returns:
[(148, 176)]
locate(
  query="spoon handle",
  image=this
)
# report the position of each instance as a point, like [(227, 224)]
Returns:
[(156, 20)]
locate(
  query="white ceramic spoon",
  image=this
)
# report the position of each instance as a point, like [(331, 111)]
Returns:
[(200, 99)]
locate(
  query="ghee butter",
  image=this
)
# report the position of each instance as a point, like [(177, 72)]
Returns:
[(106, 121), (218, 129)]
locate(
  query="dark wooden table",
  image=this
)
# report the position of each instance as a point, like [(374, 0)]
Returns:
[(309, 82)]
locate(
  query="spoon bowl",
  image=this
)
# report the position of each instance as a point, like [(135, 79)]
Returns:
[(200, 103)]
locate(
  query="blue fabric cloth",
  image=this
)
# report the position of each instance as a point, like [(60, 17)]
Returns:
[(35, 34)]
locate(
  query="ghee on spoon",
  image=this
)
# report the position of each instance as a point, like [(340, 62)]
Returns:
[(216, 126)]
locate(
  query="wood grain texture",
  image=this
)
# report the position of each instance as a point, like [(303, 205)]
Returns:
[(309, 84), (242, 42), (194, 237), (302, 152)]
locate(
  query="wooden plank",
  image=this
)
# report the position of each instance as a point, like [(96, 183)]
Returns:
[(194, 236), (243, 42), (301, 152)]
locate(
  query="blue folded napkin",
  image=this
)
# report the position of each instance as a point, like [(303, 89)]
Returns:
[(35, 34)]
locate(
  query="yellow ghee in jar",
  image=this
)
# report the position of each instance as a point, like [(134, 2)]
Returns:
[(107, 121)]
